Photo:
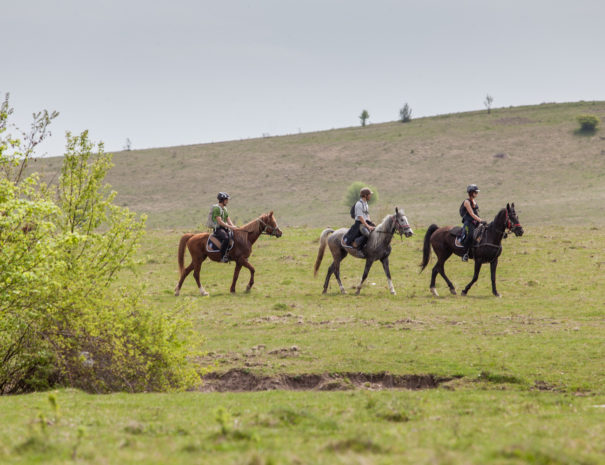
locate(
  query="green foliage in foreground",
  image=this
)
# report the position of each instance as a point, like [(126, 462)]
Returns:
[(64, 320)]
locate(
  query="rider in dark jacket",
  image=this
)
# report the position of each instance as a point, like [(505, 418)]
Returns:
[(469, 210)]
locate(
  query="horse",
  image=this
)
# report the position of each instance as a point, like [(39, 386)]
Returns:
[(378, 247), (243, 239), (487, 251)]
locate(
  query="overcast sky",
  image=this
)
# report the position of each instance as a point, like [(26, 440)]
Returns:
[(185, 72)]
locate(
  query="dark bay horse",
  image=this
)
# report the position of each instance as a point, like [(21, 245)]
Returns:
[(378, 247), (244, 238), (487, 251)]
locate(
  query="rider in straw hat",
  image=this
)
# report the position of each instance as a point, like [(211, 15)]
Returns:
[(360, 231)]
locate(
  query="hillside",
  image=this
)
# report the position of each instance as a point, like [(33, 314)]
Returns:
[(532, 155)]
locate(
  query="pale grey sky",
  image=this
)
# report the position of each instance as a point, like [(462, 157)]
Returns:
[(184, 72)]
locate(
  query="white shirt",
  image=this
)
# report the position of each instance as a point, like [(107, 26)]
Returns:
[(361, 209)]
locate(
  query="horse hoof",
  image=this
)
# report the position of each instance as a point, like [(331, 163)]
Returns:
[(463, 293), (497, 295), (393, 292), (434, 292), (248, 290), (204, 293), (453, 291), (342, 291), (176, 292)]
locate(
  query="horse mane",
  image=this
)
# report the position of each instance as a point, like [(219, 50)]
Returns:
[(492, 225), (384, 220), (251, 227)]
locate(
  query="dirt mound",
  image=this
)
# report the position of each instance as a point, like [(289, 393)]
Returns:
[(238, 380)]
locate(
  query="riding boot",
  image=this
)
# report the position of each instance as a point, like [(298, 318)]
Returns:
[(224, 253), (359, 244)]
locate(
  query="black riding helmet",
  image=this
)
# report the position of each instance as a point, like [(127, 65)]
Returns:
[(223, 196), (472, 188)]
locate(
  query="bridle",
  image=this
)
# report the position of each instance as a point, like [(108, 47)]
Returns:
[(396, 227), (508, 225), (263, 230)]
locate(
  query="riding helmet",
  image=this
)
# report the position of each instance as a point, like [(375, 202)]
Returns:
[(223, 196), (472, 188)]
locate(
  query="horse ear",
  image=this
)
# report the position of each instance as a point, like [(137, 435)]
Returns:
[(508, 206), (271, 213), (513, 205), (397, 210)]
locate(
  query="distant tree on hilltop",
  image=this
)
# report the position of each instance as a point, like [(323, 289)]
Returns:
[(405, 114), (488, 103), (363, 117)]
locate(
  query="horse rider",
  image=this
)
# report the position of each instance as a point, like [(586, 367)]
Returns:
[(469, 211), (360, 232), (220, 217)]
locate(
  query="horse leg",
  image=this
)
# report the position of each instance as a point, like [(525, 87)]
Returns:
[(366, 271), (493, 265), (443, 275), (434, 272), (337, 276), (475, 277), (196, 275), (387, 271), (328, 276), (247, 264), (186, 272), (238, 267)]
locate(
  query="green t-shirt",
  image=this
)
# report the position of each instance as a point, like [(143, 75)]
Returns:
[(218, 211)]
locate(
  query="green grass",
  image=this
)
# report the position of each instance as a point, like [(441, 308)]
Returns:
[(527, 369)]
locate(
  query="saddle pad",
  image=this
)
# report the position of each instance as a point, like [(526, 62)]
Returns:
[(213, 244)]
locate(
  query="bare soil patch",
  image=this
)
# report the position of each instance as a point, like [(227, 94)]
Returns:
[(240, 380)]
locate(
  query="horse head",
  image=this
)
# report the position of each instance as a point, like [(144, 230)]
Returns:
[(512, 220), (402, 226), (269, 225)]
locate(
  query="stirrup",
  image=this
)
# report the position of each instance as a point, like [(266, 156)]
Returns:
[(465, 257), (225, 258)]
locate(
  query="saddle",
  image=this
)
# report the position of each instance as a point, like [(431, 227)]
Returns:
[(458, 232), (214, 244)]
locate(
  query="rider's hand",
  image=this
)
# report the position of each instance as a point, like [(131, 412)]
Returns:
[(483, 222)]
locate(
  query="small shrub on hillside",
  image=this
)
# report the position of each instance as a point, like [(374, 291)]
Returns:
[(588, 122), (352, 194)]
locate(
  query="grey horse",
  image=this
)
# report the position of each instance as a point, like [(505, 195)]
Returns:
[(378, 247)]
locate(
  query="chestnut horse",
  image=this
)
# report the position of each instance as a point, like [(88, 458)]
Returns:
[(487, 251), (244, 238)]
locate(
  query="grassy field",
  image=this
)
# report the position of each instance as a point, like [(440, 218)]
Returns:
[(521, 377), (513, 380), (531, 155)]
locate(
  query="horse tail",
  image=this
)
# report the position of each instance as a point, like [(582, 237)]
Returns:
[(426, 249), (181, 254), (323, 241)]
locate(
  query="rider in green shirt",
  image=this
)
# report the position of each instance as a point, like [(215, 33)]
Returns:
[(220, 217)]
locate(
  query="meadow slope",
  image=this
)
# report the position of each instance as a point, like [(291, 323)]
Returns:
[(531, 155)]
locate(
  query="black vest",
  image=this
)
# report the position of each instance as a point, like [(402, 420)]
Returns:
[(466, 218)]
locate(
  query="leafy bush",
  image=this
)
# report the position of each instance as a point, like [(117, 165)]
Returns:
[(352, 194), (63, 317), (588, 122)]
